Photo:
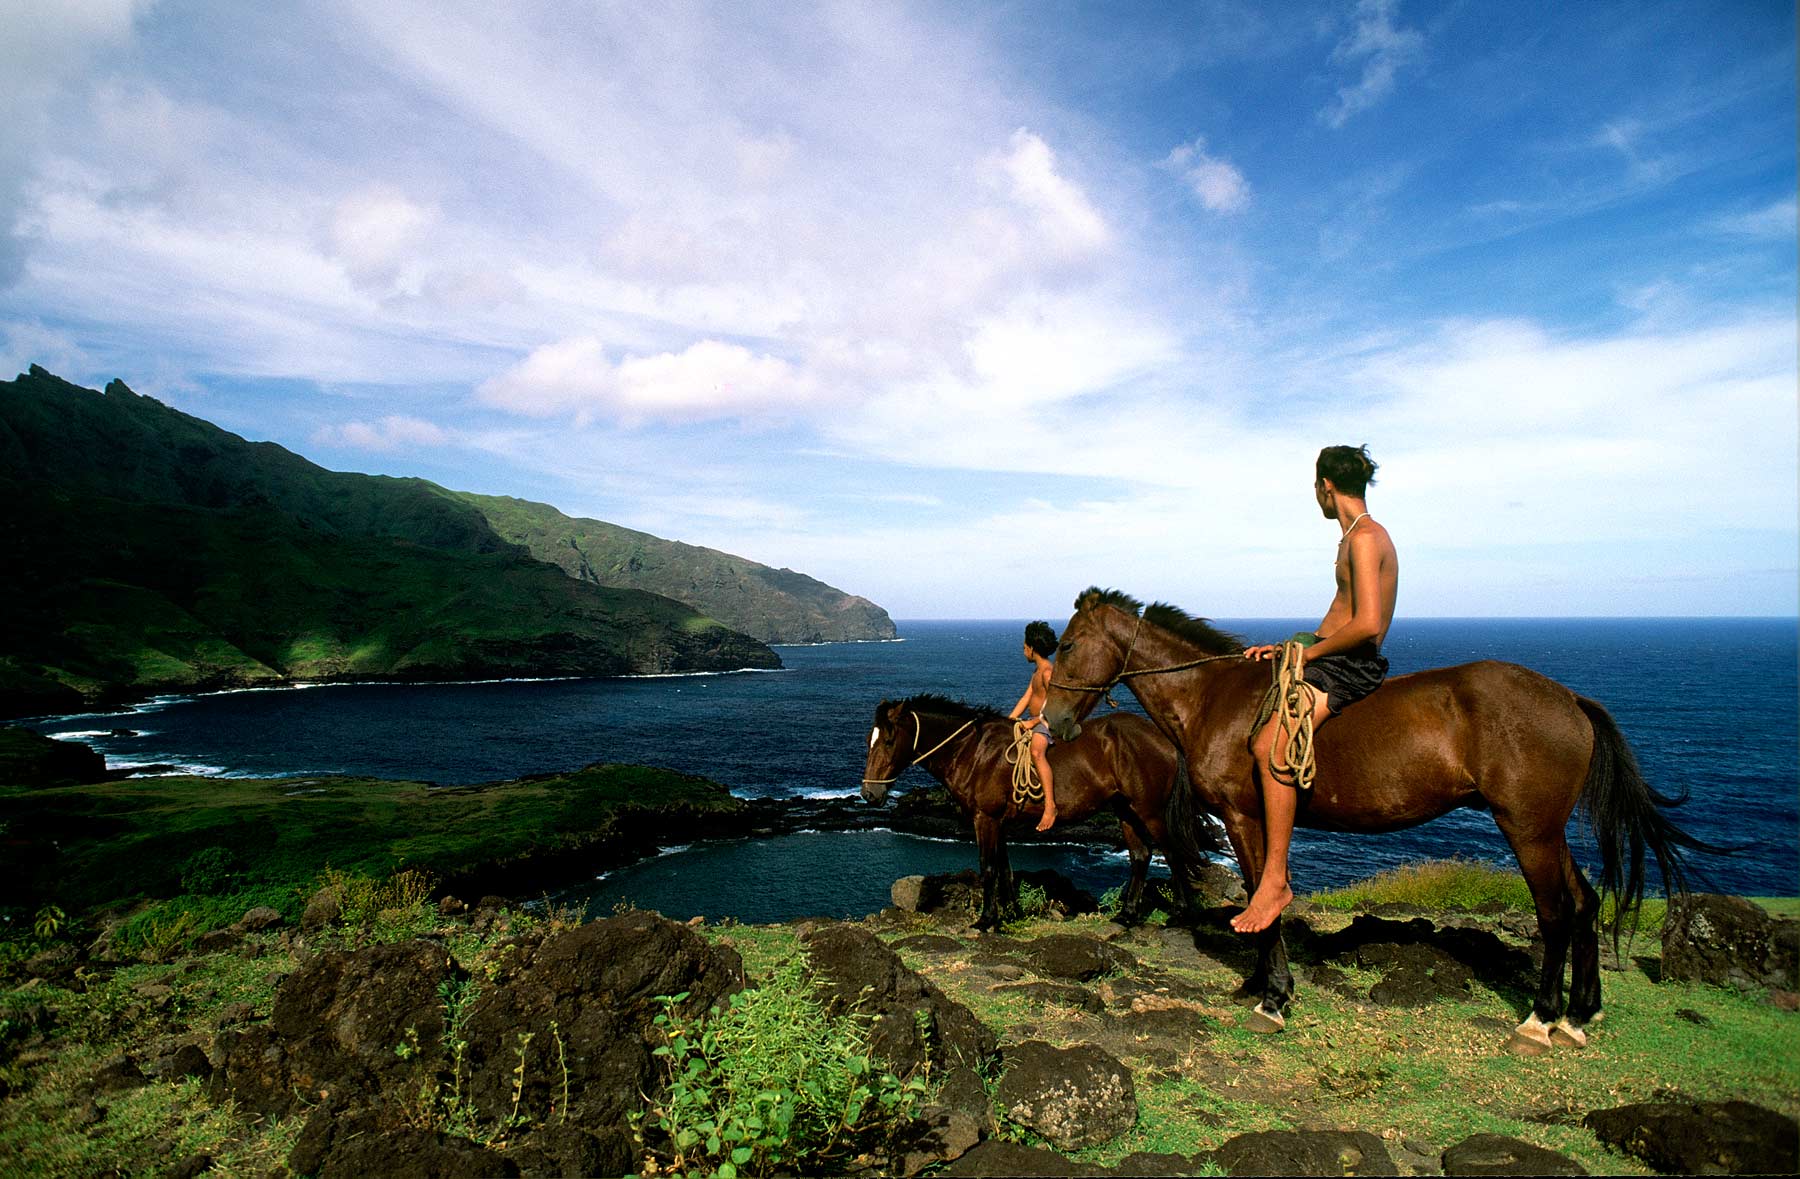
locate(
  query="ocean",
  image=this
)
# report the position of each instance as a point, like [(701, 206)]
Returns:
[(1711, 706)]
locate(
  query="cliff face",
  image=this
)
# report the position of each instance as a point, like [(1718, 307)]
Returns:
[(774, 605), (147, 550)]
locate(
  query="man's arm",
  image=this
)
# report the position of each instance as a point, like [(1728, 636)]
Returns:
[(1365, 600)]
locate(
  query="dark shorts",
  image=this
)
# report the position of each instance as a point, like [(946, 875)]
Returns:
[(1348, 677), (1044, 728)]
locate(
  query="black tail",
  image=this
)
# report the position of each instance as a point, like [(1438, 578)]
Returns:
[(1187, 849), (1627, 815)]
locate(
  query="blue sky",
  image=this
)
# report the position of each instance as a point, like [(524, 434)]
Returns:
[(964, 307)]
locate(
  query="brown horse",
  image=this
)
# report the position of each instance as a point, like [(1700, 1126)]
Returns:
[(1488, 735), (1124, 765)]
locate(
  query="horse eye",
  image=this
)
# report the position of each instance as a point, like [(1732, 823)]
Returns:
[(1063, 647), (874, 736)]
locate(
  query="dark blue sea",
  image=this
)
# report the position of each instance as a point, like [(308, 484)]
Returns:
[(1711, 706)]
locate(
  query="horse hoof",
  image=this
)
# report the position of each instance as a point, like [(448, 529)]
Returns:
[(1526, 1046), (1570, 1037), (1245, 997), (1262, 1025)]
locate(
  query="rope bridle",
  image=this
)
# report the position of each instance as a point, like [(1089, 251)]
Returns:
[(917, 757), (1125, 673)]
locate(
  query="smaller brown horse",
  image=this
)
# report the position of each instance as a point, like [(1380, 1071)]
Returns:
[(1121, 764)]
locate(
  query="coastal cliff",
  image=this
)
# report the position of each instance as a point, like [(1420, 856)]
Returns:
[(774, 605), (148, 551)]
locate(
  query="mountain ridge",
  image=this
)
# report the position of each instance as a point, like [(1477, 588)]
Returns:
[(149, 551)]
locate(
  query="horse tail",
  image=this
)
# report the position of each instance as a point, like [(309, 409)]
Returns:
[(1627, 815), (1185, 850)]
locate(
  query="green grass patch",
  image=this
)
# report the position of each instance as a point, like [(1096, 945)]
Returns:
[(1435, 884)]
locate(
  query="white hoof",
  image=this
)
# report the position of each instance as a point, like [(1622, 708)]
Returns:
[(1568, 1035)]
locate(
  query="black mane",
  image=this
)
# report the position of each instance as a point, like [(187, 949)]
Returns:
[(933, 704), (1173, 619)]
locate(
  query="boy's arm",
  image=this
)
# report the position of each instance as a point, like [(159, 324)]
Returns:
[(1023, 701)]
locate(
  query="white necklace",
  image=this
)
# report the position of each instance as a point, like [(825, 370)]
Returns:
[(1352, 527)]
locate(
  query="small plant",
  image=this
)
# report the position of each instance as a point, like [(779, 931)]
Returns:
[(769, 1082), (1033, 901), (1110, 901), (48, 921), (209, 871)]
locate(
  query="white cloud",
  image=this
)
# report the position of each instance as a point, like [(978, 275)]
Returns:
[(1382, 48), (390, 433), (1065, 217), (1776, 220), (709, 379), (375, 233), (1216, 181)]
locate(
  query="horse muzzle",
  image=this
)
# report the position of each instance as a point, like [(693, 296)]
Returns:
[(874, 792), (1063, 725)]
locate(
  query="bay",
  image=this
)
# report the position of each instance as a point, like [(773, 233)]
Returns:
[(1709, 705)]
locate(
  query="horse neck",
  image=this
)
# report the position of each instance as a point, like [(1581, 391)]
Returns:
[(954, 764), (1165, 696)]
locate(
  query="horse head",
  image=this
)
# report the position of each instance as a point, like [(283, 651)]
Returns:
[(887, 759), (1093, 651)]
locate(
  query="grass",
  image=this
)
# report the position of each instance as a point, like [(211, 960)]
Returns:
[(1435, 884), (116, 844)]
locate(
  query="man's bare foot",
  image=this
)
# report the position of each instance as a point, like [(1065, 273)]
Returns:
[(1049, 819), (1264, 908)]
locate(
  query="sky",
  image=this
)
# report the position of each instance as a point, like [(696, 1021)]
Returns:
[(964, 308)]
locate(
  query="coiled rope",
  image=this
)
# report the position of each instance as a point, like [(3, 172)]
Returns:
[(1026, 788), (1287, 700)]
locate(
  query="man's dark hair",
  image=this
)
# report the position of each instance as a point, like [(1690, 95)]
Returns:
[(1349, 468), (1040, 638)]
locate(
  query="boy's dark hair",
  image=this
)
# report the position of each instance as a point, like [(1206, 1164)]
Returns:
[(1040, 638), (1349, 468)]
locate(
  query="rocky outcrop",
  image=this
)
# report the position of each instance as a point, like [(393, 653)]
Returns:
[(27, 759), (1072, 1097), (913, 1019), (1729, 942), (1305, 1152), (1702, 1137), (1497, 1154), (557, 1041)]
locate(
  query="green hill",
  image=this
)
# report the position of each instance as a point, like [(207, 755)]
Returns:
[(143, 550), (774, 605)]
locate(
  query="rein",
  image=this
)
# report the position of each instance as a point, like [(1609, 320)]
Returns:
[(1124, 674), (918, 730)]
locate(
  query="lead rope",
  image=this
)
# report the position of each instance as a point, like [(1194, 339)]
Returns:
[(1287, 701), (1026, 788), (918, 730)]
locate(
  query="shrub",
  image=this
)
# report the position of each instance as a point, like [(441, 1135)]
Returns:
[(375, 910), (209, 871), (771, 1082)]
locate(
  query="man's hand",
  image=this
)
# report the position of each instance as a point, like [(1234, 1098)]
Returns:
[(1266, 651)]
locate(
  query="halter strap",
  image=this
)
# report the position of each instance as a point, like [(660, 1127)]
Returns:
[(918, 731), (1125, 673)]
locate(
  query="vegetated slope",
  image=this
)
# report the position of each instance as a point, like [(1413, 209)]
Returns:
[(774, 605), (145, 550)]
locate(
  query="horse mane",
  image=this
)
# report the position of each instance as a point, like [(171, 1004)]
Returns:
[(934, 704), (1175, 620)]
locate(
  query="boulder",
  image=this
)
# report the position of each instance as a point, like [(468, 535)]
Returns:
[(117, 1074), (1305, 1152), (57, 962), (909, 893), (999, 1157), (1072, 1097), (323, 908), (912, 1018), (336, 1023), (1727, 941), (937, 1134), (333, 1145), (1496, 1154), (1070, 956), (1699, 1138), (258, 919)]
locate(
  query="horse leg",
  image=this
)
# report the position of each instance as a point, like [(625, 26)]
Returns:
[(1271, 985), (1540, 858), (993, 868), (1584, 962), (1131, 904)]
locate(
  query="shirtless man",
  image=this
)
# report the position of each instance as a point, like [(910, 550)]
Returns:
[(1343, 666), (1040, 646)]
